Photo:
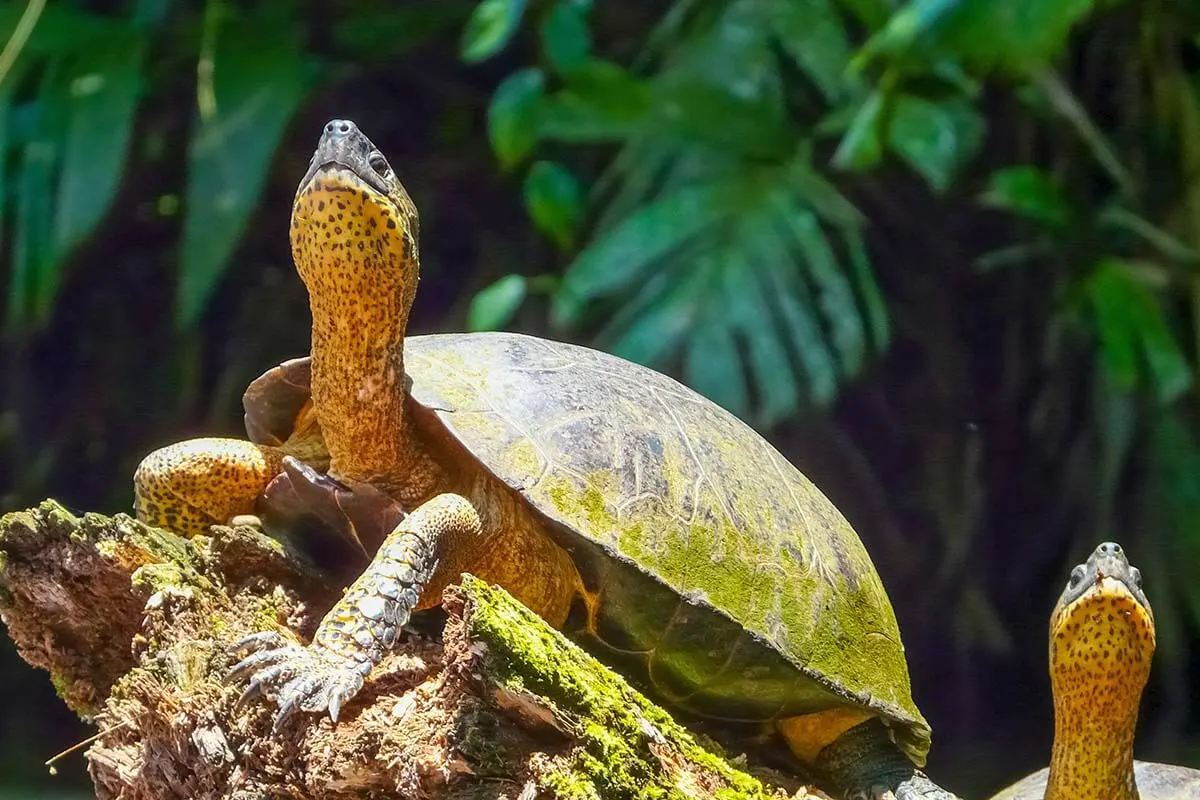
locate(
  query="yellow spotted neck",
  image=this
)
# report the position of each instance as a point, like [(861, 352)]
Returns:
[(357, 255), (1100, 651)]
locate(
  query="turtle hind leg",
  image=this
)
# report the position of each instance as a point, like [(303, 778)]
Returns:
[(864, 764), (365, 623), (189, 486)]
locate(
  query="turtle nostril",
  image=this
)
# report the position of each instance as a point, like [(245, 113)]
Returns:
[(1110, 549), (339, 127)]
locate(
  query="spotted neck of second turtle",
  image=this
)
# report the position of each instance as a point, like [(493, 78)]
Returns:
[(361, 281), (1099, 665), (1093, 751)]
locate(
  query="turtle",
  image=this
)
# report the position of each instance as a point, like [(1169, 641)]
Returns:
[(1101, 643), (654, 527)]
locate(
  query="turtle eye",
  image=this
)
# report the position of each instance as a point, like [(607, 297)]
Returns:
[(1076, 576), (378, 163), (1136, 575)]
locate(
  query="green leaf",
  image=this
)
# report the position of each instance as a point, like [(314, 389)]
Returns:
[(566, 39), (1014, 35), (601, 102), (259, 79), (625, 253), (1130, 320), (790, 305), (712, 366), (800, 325), (61, 30), (1028, 192), (835, 296), (494, 306), (664, 311), (379, 38), (861, 148), (1108, 293), (812, 33), (33, 265), (701, 112), (514, 116), (491, 26), (1162, 241), (868, 289), (554, 201), (819, 194), (105, 84), (935, 138), (778, 394)]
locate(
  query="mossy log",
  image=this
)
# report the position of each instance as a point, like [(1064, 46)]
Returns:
[(136, 627)]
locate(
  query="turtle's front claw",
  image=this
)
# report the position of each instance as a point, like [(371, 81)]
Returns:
[(309, 679)]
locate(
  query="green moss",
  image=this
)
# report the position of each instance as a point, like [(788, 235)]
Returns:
[(615, 725)]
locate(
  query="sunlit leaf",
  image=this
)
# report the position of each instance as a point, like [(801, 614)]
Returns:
[(874, 306), (624, 253), (1108, 293), (259, 79), (601, 102), (835, 296), (660, 316), (61, 29), (566, 39), (777, 392), (105, 84), (817, 192), (1030, 193), (491, 26), (33, 262), (1161, 240), (1013, 35), (494, 306), (514, 116), (1167, 365), (712, 366), (378, 38), (935, 138), (701, 112), (14, 297), (554, 201), (1130, 321), (862, 145), (812, 33), (800, 326)]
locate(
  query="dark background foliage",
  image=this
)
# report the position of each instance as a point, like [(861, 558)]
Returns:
[(944, 253)]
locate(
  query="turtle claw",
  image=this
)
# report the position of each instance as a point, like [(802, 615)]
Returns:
[(309, 679)]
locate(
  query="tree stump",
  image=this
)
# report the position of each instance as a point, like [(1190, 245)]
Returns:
[(136, 627)]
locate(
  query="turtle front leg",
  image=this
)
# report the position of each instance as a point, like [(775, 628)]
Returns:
[(364, 624), (190, 486), (865, 764)]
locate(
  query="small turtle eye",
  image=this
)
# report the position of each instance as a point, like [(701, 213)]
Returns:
[(378, 163), (1136, 574), (1076, 576)]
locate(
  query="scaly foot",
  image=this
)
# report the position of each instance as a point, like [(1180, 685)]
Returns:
[(365, 623)]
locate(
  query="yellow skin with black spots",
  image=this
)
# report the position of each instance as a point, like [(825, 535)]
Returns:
[(355, 243), (1101, 644)]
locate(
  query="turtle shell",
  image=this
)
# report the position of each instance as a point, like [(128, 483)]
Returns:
[(725, 579)]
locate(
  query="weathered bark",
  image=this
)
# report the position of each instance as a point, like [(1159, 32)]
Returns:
[(135, 626)]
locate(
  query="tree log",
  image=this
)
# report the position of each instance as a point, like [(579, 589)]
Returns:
[(136, 627)]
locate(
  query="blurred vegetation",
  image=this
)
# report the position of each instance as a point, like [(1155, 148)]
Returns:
[(946, 253)]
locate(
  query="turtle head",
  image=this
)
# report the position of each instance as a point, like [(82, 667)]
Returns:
[(1103, 620), (354, 227), (1101, 644), (1102, 634)]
